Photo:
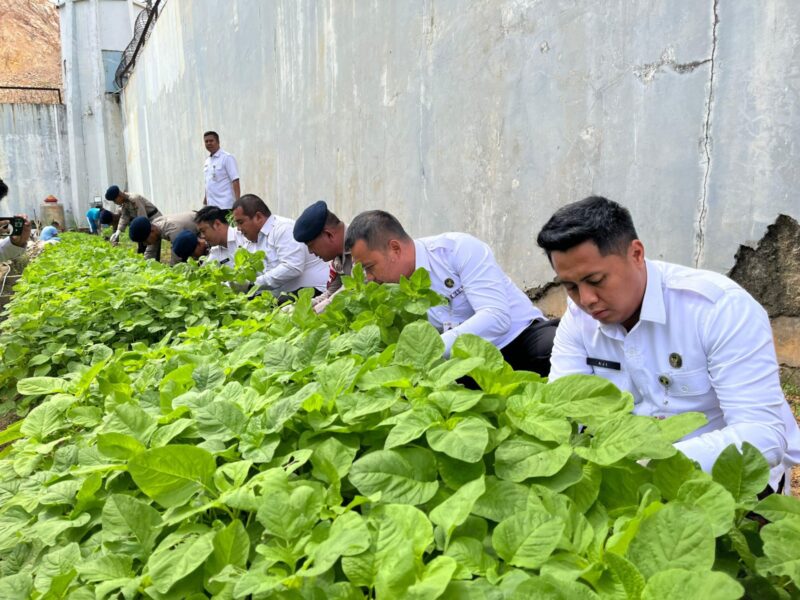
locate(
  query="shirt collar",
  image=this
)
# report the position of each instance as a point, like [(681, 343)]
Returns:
[(268, 226), (422, 258), (652, 310), (217, 153)]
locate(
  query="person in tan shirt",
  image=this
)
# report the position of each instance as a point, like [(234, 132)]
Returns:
[(148, 234), (130, 207)]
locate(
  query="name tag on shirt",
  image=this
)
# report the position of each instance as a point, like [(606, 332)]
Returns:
[(603, 364)]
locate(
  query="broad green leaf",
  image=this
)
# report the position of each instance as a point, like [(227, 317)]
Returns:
[(521, 457), (680, 584), (615, 439), (332, 459), (527, 539), (410, 425), (130, 526), (550, 588), (455, 510), (452, 370), (455, 473), (626, 573), (118, 445), (434, 579), (419, 345), (173, 474), (231, 546), (777, 506), (455, 401), (40, 386), (290, 512), (533, 417), (671, 473), (782, 549), (221, 420), (104, 568), (713, 499), (130, 420), (471, 555), (44, 420), (679, 426), (177, 556), (406, 476), (16, 587), (460, 438), (501, 500), (348, 536), (208, 376), (744, 475), (58, 561), (471, 346), (360, 404), (677, 537)]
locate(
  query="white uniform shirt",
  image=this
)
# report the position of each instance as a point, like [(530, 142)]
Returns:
[(9, 250), (702, 344), (220, 171), (288, 265), (224, 254), (482, 300)]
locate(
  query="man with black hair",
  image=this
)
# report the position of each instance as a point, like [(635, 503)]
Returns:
[(130, 207), (678, 339), (224, 240), (221, 174), (288, 266), (481, 298), (13, 246), (323, 234)]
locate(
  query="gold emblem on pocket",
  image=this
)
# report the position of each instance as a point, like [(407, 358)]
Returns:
[(449, 282), (675, 360)]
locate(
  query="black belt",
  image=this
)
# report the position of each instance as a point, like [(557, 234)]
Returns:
[(152, 214)]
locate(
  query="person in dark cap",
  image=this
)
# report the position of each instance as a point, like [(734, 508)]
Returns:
[(323, 233), (148, 234), (187, 245), (130, 207)]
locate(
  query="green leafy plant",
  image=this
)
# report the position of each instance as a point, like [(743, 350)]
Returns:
[(277, 455)]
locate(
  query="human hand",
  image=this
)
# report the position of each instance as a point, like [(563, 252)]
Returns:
[(22, 239), (114, 239)]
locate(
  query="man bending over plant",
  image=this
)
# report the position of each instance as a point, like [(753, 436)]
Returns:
[(481, 299), (678, 339)]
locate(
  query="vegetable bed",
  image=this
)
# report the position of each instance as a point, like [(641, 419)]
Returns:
[(184, 442)]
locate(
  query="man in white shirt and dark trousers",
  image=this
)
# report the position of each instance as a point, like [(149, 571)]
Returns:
[(221, 174), (678, 339), (224, 240), (481, 299), (288, 266)]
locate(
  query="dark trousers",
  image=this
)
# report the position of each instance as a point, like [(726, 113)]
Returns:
[(292, 296), (531, 349)]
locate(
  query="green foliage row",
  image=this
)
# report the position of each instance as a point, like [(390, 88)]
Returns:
[(262, 454)]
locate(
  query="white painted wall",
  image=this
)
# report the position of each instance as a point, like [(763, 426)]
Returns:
[(482, 116)]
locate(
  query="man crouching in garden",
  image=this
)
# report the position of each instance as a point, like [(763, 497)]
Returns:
[(678, 339), (481, 299)]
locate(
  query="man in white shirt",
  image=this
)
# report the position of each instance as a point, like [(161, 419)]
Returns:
[(221, 174), (288, 266), (212, 224), (481, 299), (13, 246), (678, 339)]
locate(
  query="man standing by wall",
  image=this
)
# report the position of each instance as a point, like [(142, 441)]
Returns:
[(221, 174), (288, 266), (678, 339)]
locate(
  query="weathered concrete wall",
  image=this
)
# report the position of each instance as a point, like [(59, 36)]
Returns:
[(33, 157), (483, 116)]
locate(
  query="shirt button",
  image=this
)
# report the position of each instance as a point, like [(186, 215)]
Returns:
[(684, 388)]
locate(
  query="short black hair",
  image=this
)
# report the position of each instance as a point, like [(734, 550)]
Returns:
[(250, 205), (3, 189), (209, 214), (376, 228), (331, 220), (595, 219), (214, 133)]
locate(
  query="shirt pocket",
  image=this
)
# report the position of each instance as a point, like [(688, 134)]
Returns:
[(689, 384), (616, 376)]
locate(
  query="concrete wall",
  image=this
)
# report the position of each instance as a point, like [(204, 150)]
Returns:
[(482, 116), (94, 119), (33, 159)]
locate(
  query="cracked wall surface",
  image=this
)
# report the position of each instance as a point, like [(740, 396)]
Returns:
[(485, 116)]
